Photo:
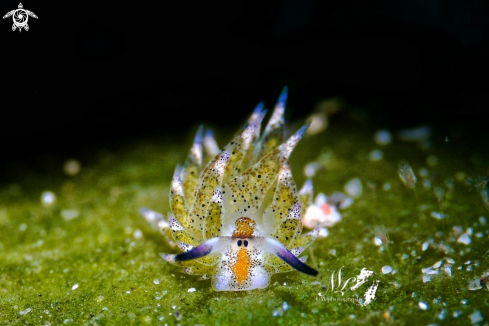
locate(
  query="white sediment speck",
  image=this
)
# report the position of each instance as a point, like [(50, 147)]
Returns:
[(423, 173), (382, 137), (429, 271), (311, 168), (482, 219), (464, 238), (378, 241), (450, 260), (74, 287), (386, 269), (69, 214), (354, 187), (474, 284), (476, 317), (386, 186), (438, 215), (25, 312), (375, 155), (419, 134), (191, 290), (23, 227), (422, 305), (437, 264), (426, 278), (448, 269), (48, 198), (442, 314), (426, 183), (425, 246), (156, 281), (72, 167), (138, 234), (323, 233)]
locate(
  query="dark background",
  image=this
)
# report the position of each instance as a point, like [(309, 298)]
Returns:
[(92, 72)]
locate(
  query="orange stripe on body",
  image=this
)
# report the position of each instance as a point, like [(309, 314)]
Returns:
[(242, 266)]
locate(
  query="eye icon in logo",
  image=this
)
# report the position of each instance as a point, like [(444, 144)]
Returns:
[(20, 17)]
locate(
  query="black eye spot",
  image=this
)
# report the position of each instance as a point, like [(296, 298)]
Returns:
[(239, 243), (246, 243)]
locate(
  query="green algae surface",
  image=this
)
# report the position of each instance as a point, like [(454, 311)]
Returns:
[(91, 259)]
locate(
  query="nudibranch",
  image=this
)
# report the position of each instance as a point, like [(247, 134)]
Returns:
[(236, 213)]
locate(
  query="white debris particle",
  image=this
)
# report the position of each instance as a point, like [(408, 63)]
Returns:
[(23, 227), (174, 307), (158, 298), (422, 305), (375, 155), (464, 301), (69, 214), (138, 234), (72, 167), (438, 215), (419, 134), (423, 172), (386, 186), (323, 233), (450, 260), (25, 312), (469, 268), (354, 187), (311, 168), (128, 292), (429, 271), (448, 269), (437, 264), (382, 137), (482, 219), (432, 160), (156, 281), (74, 287), (442, 314), (48, 198), (425, 246), (426, 278), (479, 235), (476, 317), (378, 241), (333, 252), (406, 174), (405, 256), (468, 262), (426, 184), (457, 230), (191, 290), (285, 306), (105, 308), (386, 269), (469, 231), (464, 238), (474, 284)]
